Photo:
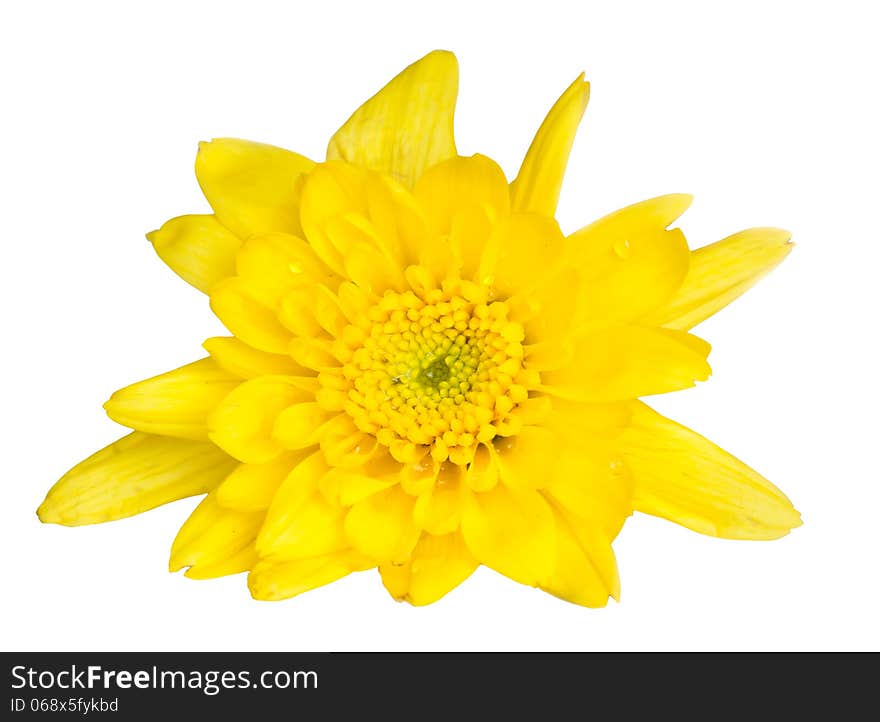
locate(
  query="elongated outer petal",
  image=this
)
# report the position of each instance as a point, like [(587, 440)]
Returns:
[(437, 565), (536, 188), (407, 126), (627, 362), (176, 403), (212, 534), (271, 580), (198, 248), (251, 186), (136, 473), (720, 273), (511, 531), (243, 420), (683, 477)]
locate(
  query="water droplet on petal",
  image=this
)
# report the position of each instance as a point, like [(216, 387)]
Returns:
[(621, 248)]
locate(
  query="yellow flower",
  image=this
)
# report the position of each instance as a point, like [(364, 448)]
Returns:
[(425, 374)]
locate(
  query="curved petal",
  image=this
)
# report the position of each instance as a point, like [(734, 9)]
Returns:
[(251, 487), (243, 421), (407, 126), (683, 477), (513, 532), (720, 273), (246, 316), (272, 580), (300, 522), (627, 362), (134, 474), (519, 253), (630, 265), (246, 362), (212, 534), (198, 248), (251, 186), (536, 188), (585, 571), (526, 460), (176, 403), (381, 526), (438, 564)]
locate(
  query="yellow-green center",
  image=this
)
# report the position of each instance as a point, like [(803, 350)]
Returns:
[(442, 375)]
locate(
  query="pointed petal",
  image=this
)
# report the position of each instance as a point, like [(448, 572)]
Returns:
[(437, 566), (241, 561), (176, 403), (212, 534), (536, 188), (407, 126), (720, 273), (513, 532), (585, 571), (134, 474), (246, 362), (272, 580), (683, 477), (626, 362), (251, 186), (243, 421), (198, 248)]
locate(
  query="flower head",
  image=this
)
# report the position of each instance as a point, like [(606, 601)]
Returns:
[(424, 373)]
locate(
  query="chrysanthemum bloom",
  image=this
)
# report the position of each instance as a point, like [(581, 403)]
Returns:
[(425, 374)]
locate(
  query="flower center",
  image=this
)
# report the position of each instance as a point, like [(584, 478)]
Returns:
[(441, 373)]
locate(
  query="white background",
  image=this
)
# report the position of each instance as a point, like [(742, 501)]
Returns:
[(766, 111)]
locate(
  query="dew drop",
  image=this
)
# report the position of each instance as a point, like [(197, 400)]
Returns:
[(622, 248)]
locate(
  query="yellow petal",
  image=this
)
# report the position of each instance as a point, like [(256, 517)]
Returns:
[(272, 263), (407, 126), (548, 311), (251, 186), (525, 461), (461, 183), (300, 522), (198, 248), (243, 422), (720, 273), (248, 318), (273, 580), (246, 362), (519, 252), (585, 572), (438, 510), (381, 526), (683, 477), (591, 481), (241, 561), (176, 403), (630, 265), (213, 534), (629, 361), (299, 425), (511, 531), (136, 473), (251, 487), (536, 188), (437, 566)]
